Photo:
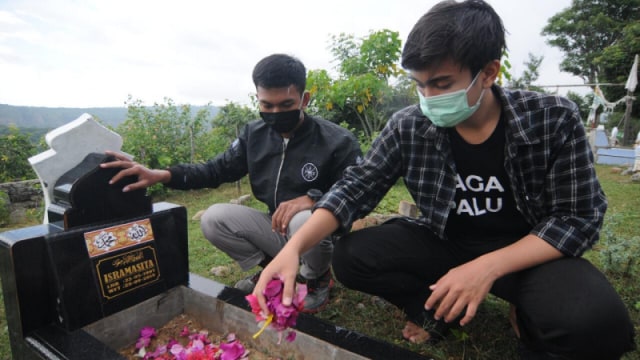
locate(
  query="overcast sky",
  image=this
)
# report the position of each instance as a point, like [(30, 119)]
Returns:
[(91, 53)]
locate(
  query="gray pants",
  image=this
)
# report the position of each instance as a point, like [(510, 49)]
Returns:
[(245, 235)]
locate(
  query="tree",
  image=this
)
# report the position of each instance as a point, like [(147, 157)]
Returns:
[(505, 68), (529, 76), (164, 134), (584, 103), (615, 63), (362, 93), (585, 29), (230, 118), (226, 127), (15, 150), (600, 39)]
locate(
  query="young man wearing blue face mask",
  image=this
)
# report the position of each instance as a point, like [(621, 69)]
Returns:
[(508, 195), (291, 159)]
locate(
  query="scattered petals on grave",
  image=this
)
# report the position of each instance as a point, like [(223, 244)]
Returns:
[(199, 347), (280, 317)]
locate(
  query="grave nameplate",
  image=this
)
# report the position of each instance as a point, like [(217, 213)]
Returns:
[(101, 270), (52, 286)]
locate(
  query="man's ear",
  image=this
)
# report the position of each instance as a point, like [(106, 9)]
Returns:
[(306, 97), (491, 71)]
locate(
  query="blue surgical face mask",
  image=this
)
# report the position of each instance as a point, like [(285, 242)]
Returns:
[(449, 110)]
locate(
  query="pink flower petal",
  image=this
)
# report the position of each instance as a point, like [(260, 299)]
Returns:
[(291, 336), (148, 332), (176, 349), (185, 331), (255, 306), (283, 316), (197, 344), (142, 342), (274, 287), (232, 351), (171, 343), (301, 293)]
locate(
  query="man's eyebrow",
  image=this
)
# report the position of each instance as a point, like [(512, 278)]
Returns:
[(282, 103), (416, 81), (430, 81)]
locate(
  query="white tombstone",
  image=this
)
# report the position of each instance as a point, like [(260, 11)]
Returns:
[(636, 164), (601, 139), (69, 144), (613, 139)]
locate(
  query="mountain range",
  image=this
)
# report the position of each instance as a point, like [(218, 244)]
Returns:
[(51, 118)]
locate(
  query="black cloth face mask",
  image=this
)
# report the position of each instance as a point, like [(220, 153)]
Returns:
[(283, 122)]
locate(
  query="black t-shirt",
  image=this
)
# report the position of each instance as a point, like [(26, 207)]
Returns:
[(485, 208)]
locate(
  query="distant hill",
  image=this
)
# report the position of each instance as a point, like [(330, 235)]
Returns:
[(51, 118)]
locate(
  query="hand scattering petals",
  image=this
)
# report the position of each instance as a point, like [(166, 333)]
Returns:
[(280, 317)]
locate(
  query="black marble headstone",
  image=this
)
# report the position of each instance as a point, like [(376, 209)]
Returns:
[(52, 278), (102, 251), (101, 270), (83, 195)]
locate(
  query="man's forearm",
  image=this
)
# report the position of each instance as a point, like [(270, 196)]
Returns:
[(320, 225), (523, 254)]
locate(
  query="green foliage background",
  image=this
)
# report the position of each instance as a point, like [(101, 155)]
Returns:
[(15, 150)]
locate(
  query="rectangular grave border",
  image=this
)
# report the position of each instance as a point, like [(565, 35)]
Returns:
[(36, 333)]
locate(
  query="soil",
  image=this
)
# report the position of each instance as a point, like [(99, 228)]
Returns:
[(172, 330)]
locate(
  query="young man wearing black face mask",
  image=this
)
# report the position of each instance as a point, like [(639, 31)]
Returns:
[(291, 158)]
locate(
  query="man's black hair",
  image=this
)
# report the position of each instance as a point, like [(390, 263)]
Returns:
[(470, 33), (278, 71)]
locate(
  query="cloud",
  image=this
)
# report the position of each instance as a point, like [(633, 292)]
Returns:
[(96, 53)]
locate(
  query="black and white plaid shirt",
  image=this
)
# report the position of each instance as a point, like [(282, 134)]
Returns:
[(547, 157)]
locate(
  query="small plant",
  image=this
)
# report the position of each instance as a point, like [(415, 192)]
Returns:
[(618, 255), (4, 209)]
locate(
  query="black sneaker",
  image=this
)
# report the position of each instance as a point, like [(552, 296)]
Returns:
[(318, 293), (247, 284)]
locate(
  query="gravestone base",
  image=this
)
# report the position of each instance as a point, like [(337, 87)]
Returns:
[(122, 329), (220, 309)]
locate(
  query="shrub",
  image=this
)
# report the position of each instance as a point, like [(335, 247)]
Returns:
[(4, 209), (618, 255)]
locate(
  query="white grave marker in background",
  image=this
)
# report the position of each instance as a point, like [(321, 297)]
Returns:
[(69, 144)]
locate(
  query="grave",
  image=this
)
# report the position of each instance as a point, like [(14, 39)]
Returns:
[(617, 156), (107, 263), (607, 154)]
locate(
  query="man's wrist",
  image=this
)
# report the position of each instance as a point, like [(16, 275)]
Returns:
[(165, 176), (315, 195)]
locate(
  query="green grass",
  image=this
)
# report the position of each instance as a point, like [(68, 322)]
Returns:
[(489, 336), (5, 351)]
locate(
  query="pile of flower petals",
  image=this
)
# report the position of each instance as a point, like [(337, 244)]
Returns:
[(280, 317), (198, 348)]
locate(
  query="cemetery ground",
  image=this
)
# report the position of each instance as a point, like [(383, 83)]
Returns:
[(488, 336)]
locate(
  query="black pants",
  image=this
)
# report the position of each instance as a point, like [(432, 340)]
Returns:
[(564, 307)]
